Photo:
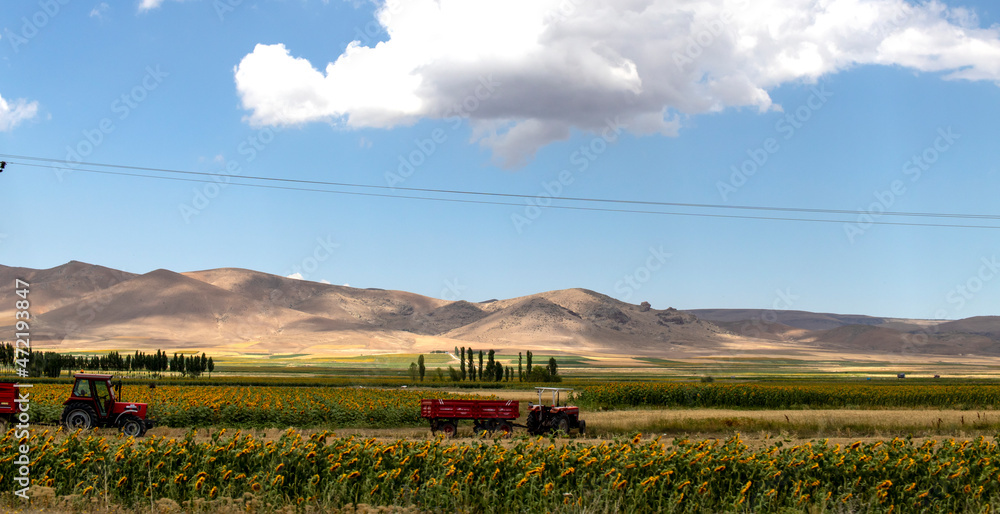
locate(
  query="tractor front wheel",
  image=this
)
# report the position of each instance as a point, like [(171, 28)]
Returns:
[(79, 416), (534, 427), (562, 425), (583, 427), (133, 427)]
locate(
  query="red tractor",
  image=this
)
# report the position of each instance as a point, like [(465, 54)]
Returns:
[(94, 403), (550, 418)]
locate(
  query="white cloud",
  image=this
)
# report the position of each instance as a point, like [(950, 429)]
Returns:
[(12, 114), (541, 68), (298, 276), (148, 5), (99, 10)]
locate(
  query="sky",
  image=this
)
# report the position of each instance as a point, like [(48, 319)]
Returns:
[(795, 108)]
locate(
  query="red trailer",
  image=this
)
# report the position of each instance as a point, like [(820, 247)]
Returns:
[(8, 407), (486, 415)]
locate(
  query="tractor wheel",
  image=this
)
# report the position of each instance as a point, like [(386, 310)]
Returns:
[(79, 415), (449, 429), (133, 427), (562, 425), (533, 425), (506, 429), (583, 427)]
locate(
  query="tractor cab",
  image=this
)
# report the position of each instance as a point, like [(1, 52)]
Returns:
[(95, 389), (94, 402), (545, 418)]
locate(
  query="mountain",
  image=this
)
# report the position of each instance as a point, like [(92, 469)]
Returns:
[(80, 306), (795, 319), (55, 287)]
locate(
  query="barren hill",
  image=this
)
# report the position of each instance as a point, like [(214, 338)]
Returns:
[(796, 319), (55, 287), (79, 306)]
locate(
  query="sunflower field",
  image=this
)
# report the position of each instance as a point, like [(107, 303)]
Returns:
[(784, 396), (321, 471), (257, 407)]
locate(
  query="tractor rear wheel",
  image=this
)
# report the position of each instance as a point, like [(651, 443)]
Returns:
[(448, 428), (79, 416), (133, 427), (562, 425)]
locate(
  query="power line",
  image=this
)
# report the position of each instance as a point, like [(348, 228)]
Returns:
[(486, 202), (509, 195)]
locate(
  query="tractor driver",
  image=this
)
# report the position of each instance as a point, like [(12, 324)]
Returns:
[(82, 389)]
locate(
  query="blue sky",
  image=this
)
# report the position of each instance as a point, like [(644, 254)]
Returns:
[(834, 101)]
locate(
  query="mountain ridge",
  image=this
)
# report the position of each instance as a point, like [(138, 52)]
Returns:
[(79, 306)]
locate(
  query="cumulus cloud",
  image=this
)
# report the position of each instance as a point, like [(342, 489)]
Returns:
[(525, 73), (148, 5), (12, 114), (296, 276)]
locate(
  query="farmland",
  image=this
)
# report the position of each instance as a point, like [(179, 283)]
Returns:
[(320, 472), (881, 446), (259, 406)]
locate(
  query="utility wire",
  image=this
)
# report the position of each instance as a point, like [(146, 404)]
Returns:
[(486, 202), (507, 195)]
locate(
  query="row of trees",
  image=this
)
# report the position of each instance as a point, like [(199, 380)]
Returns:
[(492, 370), (51, 364)]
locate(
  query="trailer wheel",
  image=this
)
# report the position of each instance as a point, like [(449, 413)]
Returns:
[(449, 429), (506, 429)]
